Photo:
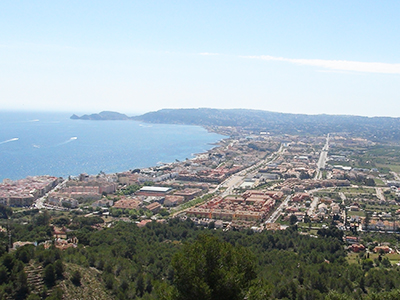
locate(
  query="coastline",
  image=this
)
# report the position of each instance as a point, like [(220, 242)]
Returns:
[(46, 147)]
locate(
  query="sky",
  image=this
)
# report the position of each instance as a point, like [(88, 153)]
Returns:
[(312, 57)]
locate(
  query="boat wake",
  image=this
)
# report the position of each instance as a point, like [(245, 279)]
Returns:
[(68, 141), (10, 140)]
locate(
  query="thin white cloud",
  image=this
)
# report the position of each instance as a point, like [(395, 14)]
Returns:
[(207, 53), (342, 65)]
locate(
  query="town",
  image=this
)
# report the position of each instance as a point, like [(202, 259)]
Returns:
[(255, 181)]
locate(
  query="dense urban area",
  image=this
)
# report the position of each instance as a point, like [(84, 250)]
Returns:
[(314, 216)]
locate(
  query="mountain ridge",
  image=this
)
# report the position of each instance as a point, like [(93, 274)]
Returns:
[(374, 128)]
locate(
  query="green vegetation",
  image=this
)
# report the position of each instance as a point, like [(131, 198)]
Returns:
[(193, 202), (211, 269), (356, 213), (131, 189), (178, 260)]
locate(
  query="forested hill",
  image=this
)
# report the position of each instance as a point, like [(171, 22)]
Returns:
[(177, 260), (375, 128)]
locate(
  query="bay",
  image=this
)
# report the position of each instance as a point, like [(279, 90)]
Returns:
[(43, 143)]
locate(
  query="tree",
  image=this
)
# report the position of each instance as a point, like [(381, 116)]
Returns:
[(59, 268), (61, 221), (367, 220), (140, 285), (49, 276), (5, 212), (210, 269), (21, 286), (3, 274), (76, 278), (57, 294), (293, 220), (369, 181), (333, 295), (42, 219), (304, 175)]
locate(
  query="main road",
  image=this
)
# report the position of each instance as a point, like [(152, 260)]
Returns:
[(39, 203), (275, 215), (322, 159), (237, 179)]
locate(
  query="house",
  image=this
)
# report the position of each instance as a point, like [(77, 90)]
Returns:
[(354, 208), (154, 207), (143, 223), (335, 209), (379, 249), (351, 239), (357, 248)]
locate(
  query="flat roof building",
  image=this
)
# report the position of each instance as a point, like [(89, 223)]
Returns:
[(154, 191)]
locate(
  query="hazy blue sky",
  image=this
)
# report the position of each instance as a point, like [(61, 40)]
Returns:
[(334, 57)]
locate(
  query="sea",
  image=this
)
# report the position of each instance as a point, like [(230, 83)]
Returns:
[(44, 143)]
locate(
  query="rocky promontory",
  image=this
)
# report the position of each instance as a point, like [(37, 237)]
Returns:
[(103, 116)]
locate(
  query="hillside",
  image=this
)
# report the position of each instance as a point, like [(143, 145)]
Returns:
[(165, 261), (375, 128), (383, 129)]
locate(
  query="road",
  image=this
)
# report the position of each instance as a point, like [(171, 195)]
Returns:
[(39, 203), (232, 183), (313, 206), (379, 194), (322, 159), (275, 215), (396, 176), (343, 197), (236, 180)]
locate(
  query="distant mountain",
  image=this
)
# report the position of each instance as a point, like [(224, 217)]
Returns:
[(104, 115), (376, 128)]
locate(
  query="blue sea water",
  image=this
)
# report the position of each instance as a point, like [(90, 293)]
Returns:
[(37, 143)]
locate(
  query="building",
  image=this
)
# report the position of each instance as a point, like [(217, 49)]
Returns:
[(173, 200), (154, 207), (128, 203), (102, 203), (154, 191), (143, 223), (189, 193), (25, 191), (384, 249), (357, 248)]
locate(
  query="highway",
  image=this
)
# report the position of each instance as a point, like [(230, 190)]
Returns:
[(322, 159)]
